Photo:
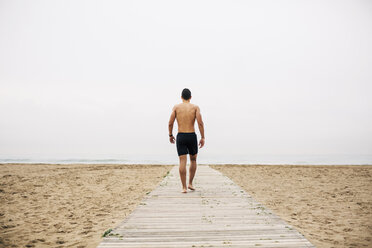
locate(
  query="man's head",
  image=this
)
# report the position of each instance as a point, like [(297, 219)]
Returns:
[(186, 94)]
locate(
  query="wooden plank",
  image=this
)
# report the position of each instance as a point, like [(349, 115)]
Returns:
[(218, 214)]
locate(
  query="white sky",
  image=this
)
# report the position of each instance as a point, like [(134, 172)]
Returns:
[(99, 78)]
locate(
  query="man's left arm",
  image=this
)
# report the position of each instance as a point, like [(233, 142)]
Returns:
[(170, 125)]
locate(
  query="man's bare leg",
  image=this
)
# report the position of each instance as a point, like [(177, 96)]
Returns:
[(192, 170), (182, 169)]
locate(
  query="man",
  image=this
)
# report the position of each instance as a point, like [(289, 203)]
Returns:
[(186, 140)]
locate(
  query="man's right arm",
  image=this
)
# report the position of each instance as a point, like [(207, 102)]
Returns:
[(201, 126)]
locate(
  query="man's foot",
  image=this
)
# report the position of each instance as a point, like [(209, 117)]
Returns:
[(184, 191), (191, 187)]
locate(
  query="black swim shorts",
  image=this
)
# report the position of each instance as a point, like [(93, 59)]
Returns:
[(187, 143)]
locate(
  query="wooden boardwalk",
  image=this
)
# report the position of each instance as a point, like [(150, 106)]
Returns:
[(218, 214)]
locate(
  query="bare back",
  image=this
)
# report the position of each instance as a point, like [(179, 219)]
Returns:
[(185, 116)]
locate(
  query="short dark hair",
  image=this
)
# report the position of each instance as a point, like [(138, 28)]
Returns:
[(186, 94)]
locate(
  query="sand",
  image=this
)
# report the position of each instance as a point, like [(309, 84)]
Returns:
[(330, 205), (45, 205), (72, 205)]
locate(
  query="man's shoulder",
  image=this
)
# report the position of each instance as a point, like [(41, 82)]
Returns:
[(181, 105)]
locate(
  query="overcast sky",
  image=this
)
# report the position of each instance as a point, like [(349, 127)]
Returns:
[(99, 78)]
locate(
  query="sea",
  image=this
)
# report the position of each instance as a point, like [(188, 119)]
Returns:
[(249, 159)]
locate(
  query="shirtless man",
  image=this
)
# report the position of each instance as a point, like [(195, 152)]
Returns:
[(186, 141)]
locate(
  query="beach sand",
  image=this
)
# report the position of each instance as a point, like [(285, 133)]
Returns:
[(45, 205), (72, 205), (330, 205)]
